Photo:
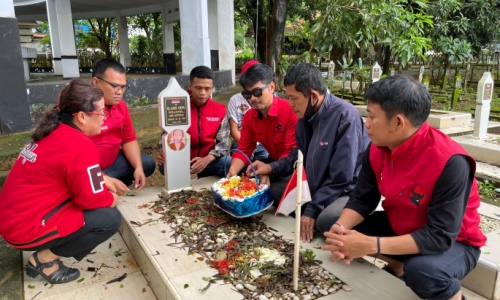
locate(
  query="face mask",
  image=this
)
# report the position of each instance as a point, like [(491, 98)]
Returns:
[(310, 110)]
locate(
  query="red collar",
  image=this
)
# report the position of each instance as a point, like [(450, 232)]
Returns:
[(273, 110)]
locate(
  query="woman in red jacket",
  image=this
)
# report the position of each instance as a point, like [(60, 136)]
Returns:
[(55, 200)]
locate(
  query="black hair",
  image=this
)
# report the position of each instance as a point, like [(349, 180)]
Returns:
[(401, 94), (306, 78), (103, 64), (257, 73), (77, 96), (201, 72)]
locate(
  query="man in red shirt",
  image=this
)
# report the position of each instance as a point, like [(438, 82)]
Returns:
[(119, 150), (428, 232), (209, 130), (271, 122)]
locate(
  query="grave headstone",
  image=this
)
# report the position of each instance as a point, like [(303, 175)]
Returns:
[(467, 70), (456, 91), (331, 70), (376, 72), (483, 100), (421, 73), (174, 115)]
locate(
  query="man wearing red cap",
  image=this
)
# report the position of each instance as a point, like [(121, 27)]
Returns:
[(236, 109)]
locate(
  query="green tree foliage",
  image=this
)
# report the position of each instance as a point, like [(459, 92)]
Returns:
[(388, 26), (101, 35)]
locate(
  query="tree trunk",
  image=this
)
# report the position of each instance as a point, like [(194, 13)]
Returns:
[(279, 20), (387, 61), (336, 56), (378, 53), (261, 30), (357, 56)]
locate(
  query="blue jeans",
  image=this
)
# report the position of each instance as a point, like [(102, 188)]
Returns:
[(214, 168), (260, 153), (122, 169), (330, 214), (434, 276)]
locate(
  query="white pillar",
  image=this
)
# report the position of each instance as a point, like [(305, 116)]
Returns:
[(123, 40), (69, 60), (225, 13), (54, 37), (194, 34), (15, 112), (213, 33), (168, 40), (483, 100), (7, 9)]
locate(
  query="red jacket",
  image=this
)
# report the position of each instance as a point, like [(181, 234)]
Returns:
[(205, 123), (116, 131), (276, 132), (410, 172), (51, 183)]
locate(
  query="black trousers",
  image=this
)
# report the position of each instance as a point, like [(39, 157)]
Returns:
[(100, 225)]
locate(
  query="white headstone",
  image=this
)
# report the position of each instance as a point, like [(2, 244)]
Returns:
[(174, 115), (483, 99), (331, 70), (376, 72), (421, 74)]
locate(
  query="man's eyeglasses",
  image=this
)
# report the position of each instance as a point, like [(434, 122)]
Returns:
[(257, 92), (115, 86)]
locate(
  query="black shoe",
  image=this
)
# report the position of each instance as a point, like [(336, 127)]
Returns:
[(61, 275)]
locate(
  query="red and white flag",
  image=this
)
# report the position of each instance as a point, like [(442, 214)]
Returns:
[(289, 198)]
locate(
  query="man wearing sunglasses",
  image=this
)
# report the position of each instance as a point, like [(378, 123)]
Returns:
[(120, 154), (209, 128), (270, 122), (236, 109), (332, 137)]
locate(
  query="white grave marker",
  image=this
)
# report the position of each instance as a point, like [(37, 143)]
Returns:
[(174, 115), (376, 72), (483, 99), (331, 70), (421, 74)]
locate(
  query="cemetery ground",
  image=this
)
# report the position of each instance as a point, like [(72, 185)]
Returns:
[(145, 119)]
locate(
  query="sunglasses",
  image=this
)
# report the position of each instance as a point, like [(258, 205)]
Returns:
[(256, 92)]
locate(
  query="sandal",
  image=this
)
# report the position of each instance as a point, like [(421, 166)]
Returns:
[(61, 275)]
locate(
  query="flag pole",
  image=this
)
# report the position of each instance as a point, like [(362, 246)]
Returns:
[(300, 162)]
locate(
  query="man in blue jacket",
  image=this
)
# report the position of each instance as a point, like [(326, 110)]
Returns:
[(331, 135)]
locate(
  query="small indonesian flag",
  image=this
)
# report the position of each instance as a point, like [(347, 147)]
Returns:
[(176, 101), (289, 198)]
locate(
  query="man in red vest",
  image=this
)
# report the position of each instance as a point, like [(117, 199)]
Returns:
[(429, 230), (209, 128)]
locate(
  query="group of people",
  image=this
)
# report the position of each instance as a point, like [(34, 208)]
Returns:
[(428, 232)]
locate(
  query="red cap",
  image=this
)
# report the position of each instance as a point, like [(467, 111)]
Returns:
[(247, 65)]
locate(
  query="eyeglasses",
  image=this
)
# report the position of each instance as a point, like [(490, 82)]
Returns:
[(115, 86), (257, 92), (102, 114)]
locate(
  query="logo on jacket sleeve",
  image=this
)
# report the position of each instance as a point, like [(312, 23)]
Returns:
[(28, 153), (96, 178), (417, 195)]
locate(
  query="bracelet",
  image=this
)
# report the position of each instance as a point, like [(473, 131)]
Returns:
[(378, 245), (338, 224)]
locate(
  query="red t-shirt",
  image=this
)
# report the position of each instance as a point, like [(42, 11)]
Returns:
[(116, 131), (34, 206), (276, 132)]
